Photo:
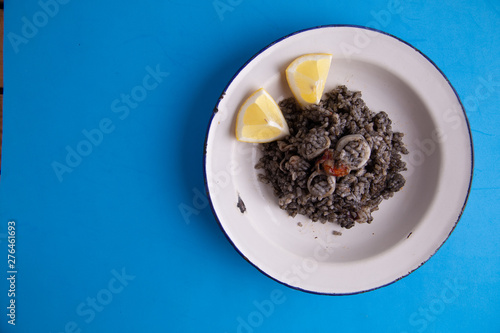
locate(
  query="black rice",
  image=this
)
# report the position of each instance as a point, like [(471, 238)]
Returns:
[(288, 163)]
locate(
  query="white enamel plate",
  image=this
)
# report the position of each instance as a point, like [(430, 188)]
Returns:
[(408, 229)]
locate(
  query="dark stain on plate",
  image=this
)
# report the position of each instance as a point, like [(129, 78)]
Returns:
[(216, 109), (336, 233), (241, 205)]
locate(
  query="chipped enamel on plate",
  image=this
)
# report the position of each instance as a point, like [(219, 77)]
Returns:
[(408, 229)]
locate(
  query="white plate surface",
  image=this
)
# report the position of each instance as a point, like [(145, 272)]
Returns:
[(409, 228)]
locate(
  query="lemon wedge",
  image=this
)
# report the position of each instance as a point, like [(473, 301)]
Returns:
[(307, 75), (260, 119)]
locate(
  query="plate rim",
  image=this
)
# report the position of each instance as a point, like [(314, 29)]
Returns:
[(221, 97)]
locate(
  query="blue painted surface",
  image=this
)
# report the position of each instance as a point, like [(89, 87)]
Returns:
[(101, 244)]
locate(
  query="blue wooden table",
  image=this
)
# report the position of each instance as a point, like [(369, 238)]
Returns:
[(106, 108)]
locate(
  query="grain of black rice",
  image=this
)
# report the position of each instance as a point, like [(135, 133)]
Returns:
[(288, 163)]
